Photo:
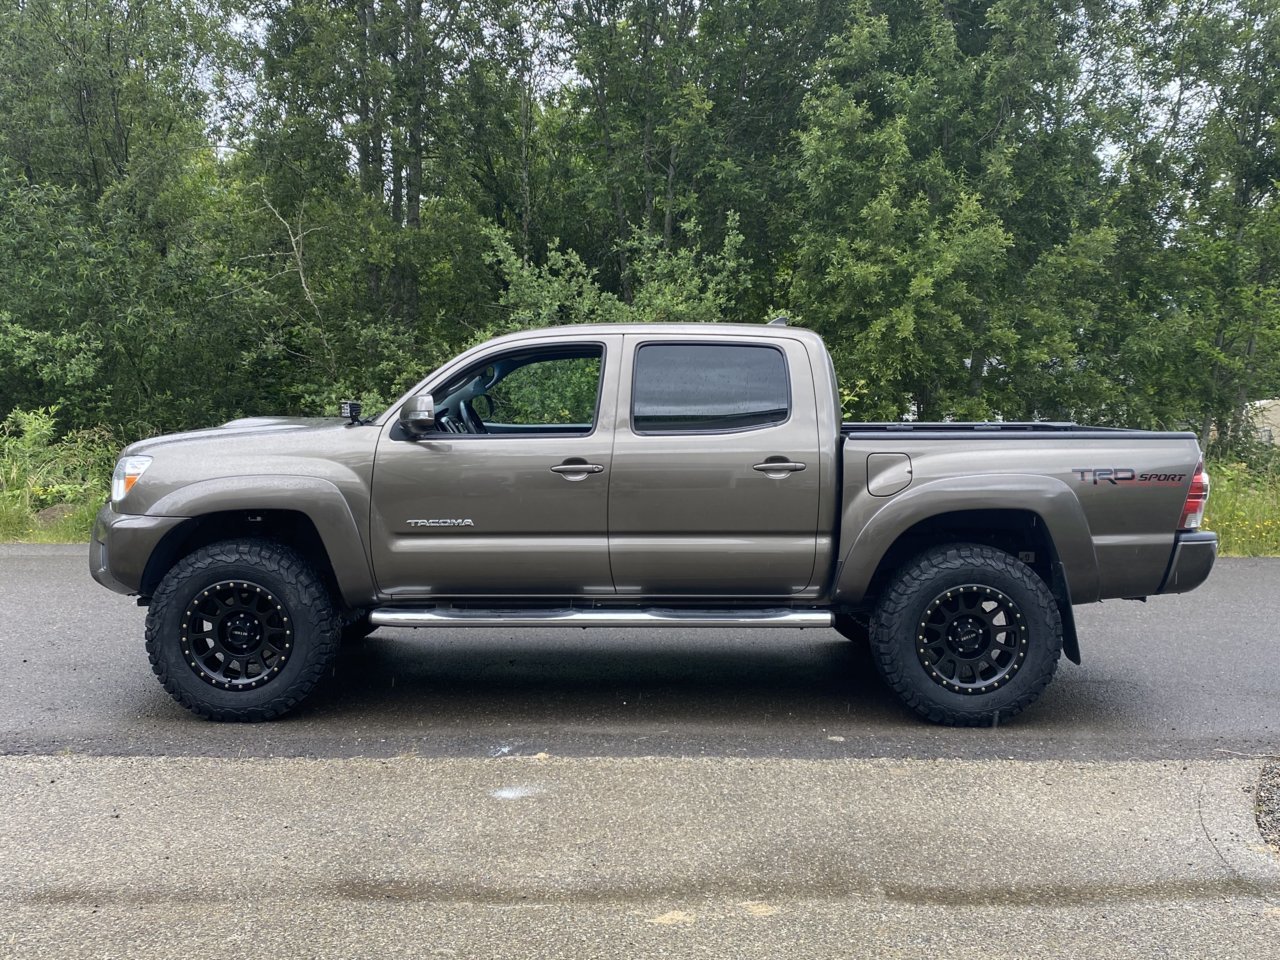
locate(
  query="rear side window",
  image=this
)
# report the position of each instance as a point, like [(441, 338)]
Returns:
[(708, 387)]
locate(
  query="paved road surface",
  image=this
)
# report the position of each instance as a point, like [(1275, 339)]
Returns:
[(1193, 676), (608, 858), (636, 794)]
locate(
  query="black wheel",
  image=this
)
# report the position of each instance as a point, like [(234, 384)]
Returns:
[(356, 626), (241, 630), (967, 635)]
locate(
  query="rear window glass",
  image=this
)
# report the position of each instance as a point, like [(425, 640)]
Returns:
[(704, 387)]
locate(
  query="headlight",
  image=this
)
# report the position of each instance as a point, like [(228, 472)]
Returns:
[(128, 470)]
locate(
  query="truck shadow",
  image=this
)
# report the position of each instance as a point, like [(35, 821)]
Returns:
[(608, 677)]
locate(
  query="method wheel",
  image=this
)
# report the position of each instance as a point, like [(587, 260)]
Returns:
[(967, 635), (241, 630)]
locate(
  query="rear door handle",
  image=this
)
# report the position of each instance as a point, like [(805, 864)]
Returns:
[(779, 467)]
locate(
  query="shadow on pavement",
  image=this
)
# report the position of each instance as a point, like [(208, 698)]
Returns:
[(594, 678)]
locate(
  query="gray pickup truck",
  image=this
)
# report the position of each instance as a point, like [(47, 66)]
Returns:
[(644, 475)]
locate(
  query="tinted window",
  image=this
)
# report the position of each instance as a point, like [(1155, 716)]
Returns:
[(684, 388)]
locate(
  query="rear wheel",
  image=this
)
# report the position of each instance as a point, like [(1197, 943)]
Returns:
[(241, 630), (967, 635)]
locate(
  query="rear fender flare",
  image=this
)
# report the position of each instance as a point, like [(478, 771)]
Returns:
[(1048, 498)]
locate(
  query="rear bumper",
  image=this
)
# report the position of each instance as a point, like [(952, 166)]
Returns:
[(1192, 559), (121, 545)]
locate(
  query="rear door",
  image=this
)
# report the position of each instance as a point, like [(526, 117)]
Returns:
[(715, 475), (510, 497)]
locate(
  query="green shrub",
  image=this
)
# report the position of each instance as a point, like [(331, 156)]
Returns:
[(1244, 509), (39, 470)]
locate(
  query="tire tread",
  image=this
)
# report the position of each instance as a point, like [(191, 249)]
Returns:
[(889, 623), (283, 562)]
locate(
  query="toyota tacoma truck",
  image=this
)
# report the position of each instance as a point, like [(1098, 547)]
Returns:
[(644, 475)]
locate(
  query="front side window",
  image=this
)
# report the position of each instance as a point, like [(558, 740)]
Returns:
[(708, 388), (547, 390)]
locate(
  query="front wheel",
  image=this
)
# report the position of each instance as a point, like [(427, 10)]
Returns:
[(241, 630), (967, 635)]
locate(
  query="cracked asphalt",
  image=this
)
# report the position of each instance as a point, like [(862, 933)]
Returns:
[(638, 793)]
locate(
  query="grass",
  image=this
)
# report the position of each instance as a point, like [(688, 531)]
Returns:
[(1244, 510), (21, 526)]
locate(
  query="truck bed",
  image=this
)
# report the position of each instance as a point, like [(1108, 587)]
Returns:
[(1059, 428), (1122, 491)]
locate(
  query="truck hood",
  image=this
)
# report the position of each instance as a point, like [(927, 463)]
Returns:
[(248, 427)]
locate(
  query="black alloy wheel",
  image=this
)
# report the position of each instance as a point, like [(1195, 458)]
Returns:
[(236, 635), (242, 630), (971, 639), (966, 634)]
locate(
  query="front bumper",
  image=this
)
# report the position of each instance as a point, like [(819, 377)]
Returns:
[(1192, 559), (121, 545)]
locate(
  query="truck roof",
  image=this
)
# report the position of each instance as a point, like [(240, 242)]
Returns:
[(678, 329)]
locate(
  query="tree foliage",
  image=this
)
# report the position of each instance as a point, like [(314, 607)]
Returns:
[(989, 208)]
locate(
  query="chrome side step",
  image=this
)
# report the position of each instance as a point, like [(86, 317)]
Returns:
[(568, 617)]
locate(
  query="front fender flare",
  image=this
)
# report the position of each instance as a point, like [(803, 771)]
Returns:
[(319, 500)]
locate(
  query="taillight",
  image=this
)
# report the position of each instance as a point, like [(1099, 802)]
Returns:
[(1197, 497)]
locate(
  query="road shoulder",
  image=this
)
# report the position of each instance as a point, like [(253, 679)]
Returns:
[(591, 857)]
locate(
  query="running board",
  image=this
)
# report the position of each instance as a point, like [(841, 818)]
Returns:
[(454, 617)]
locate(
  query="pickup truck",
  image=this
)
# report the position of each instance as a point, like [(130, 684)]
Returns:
[(644, 475)]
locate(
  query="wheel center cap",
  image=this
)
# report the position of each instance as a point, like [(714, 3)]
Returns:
[(967, 636), (241, 632)]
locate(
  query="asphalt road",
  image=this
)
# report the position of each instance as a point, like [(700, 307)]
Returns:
[(1182, 677), (525, 794)]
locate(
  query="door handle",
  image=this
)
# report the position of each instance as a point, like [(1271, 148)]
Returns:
[(778, 468), (577, 470)]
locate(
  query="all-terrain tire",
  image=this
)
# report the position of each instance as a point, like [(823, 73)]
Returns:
[(300, 617), (915, 644)]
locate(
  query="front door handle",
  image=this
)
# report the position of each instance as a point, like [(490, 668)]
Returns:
[(576, 469), (777, 469)]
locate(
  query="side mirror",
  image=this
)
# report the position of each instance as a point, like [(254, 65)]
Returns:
[(418, 416)]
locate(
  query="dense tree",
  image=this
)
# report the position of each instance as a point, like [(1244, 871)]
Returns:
[(950, 241), (989, 208)]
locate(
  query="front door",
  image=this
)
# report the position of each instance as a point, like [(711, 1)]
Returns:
[(716, 475), (510, 496)]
